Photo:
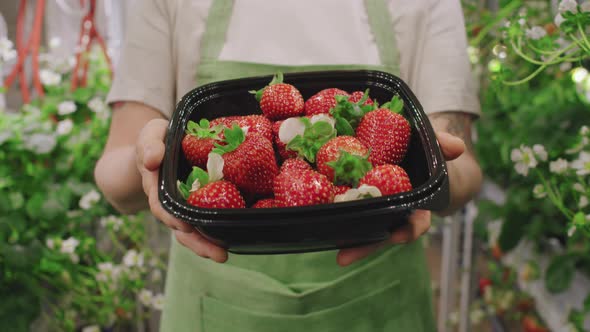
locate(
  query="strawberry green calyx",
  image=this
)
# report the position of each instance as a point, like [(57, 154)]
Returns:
[(396, 105), (202, 129), (233, 138), (350, 168), (277, 78), (348, 114), (197, 179), (314, 136)]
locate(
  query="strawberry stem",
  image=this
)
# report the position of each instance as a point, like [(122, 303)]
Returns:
[(350, 168), (234, 137), (314, 136), (396, 105), (277, 78), (348, 114), (196, 175), (202, 129)]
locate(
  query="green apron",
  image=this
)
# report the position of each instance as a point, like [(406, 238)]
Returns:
[(388, 291)]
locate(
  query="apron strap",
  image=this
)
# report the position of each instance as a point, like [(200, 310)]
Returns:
[(216, 29), (381, 24)]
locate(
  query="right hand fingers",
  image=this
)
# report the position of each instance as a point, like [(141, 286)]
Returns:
[(201, 246), (161, 214)]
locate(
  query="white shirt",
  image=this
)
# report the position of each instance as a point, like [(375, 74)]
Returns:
[(160, 59)]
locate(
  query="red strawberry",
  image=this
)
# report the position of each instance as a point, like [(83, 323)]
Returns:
[(323, 101), (343, 160), (340, 190), (356, 96), (249, 161), (199, 141), (386, 133), (295, 164), (266, 203), (389, 179), (301, 188), (281, 147), (255, 123), (531, 324), (279, 100), (218, 195)]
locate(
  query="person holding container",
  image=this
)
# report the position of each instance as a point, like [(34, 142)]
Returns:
[(173, 46)]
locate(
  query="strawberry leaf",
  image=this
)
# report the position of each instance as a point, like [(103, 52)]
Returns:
[(396, 105), (349, 168), (196, 175), (343, 127), (184, 189), (234, 137), (315, 135), (277, 78), (348, 114), (202, 129)]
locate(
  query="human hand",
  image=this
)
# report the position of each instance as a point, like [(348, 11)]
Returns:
[(149, 154), (452, 147)]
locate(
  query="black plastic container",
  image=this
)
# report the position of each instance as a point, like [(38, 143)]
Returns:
[(311, 228)]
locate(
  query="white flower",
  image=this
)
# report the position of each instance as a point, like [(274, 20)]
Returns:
[(40, 143), (536, 33), (291, 128), (50, 243), (64, 127), (112, 221), (133, 258), (558, 166), (540, 152), (355, 194), (158, 302), (568, 6), (582, 164), (156, 275), (476, 316), (75, 258), (66, 107), (524, 160), (89, 199), (558, 20), (108, 271), (97, 105), (69, 245), (92, 328), (583, 202), (584, 131), (145, 297), (578, 187), (585, 7), (7, 51), (54, 43), (539, 191), (49, 78), (522, 21), (571, 230)]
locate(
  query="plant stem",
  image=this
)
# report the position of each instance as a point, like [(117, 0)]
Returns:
[(502, 13), (541, 68), (583, 34)]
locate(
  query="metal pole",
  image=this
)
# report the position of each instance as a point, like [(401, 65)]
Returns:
[(450, 248)]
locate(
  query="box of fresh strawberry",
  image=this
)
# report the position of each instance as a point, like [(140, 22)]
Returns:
[(310, 161)]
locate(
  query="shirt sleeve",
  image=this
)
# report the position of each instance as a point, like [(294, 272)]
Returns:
[(443, 72), (144, 72)]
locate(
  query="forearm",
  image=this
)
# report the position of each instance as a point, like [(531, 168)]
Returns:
[(465, 176), (119, 180)]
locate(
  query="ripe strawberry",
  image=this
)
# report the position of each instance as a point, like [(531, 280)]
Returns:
[(266, 203), (301, 188), (340, 190), (386, 133), (255, 123), (199, 141), (531, 324), (389, 179), (279, 100), (295, 164), (249, 161), (343, 160), (323, 101), (219, 195), (207, 190), (281, 147), (357, 96)]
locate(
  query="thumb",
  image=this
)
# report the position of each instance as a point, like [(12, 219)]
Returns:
[(452, 146)]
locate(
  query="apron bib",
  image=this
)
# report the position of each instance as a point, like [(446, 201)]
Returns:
[(388, 291)]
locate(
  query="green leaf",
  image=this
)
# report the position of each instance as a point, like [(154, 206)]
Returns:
[(560, 273), (396, 105), (49, 266), (234, 137), (35, 204), (197, 174), (83, 95), (512, 231), (349, 168), (587, 303), (343, 127)]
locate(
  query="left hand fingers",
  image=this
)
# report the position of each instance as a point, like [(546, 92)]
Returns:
[(418, 224)]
